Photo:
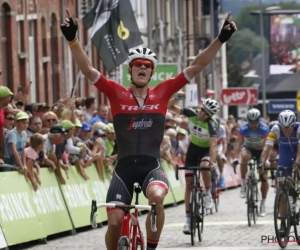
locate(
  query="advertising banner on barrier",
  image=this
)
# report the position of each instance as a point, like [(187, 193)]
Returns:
[(26, 215), (80, 193), (176, 193), (3, 243)]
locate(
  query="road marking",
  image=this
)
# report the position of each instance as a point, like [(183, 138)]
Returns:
[(223, 223)]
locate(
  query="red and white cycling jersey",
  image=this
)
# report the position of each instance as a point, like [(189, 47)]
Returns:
[(139, 131)]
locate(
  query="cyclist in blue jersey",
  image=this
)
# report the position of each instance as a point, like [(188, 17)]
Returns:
[(286, 133), (252, 138)]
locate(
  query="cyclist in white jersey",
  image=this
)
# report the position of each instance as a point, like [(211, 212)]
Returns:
[(221, 148)]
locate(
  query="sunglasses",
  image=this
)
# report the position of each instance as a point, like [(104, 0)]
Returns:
[(140, 62), (286, 128), (10, 118), (51, 120), (205, 112)]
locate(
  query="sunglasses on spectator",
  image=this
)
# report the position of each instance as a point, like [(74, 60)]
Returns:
[(10, 118), (51, 120), (140, 62)]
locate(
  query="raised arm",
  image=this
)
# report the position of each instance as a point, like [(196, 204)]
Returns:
[(69, 29), (207, 55)]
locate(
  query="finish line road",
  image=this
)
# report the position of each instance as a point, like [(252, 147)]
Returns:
[(227, 229)]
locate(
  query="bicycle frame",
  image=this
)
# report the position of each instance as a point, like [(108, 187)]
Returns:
[(131, 231)]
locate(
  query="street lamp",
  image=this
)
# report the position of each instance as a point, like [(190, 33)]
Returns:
[(263, 59)]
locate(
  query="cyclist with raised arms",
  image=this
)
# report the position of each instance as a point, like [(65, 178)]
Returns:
[(139, 117), (286, 133), (202, 148), (252, 138)]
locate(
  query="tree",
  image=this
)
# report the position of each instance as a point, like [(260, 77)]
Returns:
[(245, 42), (245, 20)]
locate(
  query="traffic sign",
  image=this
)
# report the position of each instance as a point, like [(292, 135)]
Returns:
[(191, 93), (276, 106), (239, 96)]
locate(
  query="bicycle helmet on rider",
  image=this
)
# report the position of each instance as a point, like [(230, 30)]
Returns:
[(287, 118), (142, 53), (253, 115), (211, 106)]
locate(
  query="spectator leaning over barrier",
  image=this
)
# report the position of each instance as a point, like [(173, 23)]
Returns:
[(110, 143), (55, 136), (5, 96), (48, 120), (75, 152), (90, 106), (181, 135), (96, 148), (9, 123), (102, 116), (15, 142), (34, 125), (174, 143), (31, 155), (79, 114)]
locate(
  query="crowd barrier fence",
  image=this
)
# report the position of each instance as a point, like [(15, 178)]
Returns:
[(26, 215)]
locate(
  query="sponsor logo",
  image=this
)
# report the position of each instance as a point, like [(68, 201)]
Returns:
[(134, 108), (141, 124)]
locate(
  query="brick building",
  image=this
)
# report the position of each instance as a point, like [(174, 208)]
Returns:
[(33, 49)]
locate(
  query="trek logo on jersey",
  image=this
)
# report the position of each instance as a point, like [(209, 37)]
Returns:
[(135, 108), (142, 124)]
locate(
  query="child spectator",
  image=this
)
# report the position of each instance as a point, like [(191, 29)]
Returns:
[(15, 142), (31, 155)]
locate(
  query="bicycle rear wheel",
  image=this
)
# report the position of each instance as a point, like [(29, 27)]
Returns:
[(216, 192), (250, 204), (193, 210), (282, 239), (254, 201)]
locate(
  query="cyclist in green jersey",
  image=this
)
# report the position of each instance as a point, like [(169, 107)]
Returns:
[(202, 148)]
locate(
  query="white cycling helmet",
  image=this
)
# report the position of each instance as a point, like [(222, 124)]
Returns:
[(211, 106), (287, 118), (142, 53), (253, 115)]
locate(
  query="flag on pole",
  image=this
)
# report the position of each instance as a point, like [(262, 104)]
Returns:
[(113, 29)]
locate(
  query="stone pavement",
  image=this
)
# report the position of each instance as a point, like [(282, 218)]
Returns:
[(227, 229)]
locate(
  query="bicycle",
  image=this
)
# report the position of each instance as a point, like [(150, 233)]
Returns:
[(197, 204), (290, 196), (215, 189), (132, 235), (252, 192)]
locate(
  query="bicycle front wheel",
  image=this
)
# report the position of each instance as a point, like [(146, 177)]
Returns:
[(123, 243), (250, 204), (193, 210), (281, 198), (200, 217)]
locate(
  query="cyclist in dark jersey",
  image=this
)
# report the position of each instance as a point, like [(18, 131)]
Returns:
[(138, 117)]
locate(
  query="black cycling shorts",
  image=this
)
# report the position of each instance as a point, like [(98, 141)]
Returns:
[(194, 156), (144, 169), (254, 153)]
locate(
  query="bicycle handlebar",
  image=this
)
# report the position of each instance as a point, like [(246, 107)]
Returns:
[(95, 207), (189, 168)]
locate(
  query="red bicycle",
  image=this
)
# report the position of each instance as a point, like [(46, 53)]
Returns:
[(132, 235)]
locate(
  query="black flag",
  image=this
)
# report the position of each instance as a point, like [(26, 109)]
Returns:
[(113, 29)]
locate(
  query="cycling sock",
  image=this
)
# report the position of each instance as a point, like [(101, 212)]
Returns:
[(243, 183), (207, 191), (263, 201), (151, 244), (188, 217)]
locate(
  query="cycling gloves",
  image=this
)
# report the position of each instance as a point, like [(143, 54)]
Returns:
[(69, 31), (225, 33)]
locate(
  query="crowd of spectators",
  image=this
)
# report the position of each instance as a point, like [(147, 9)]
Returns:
[(77, 133), (70, 132)]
